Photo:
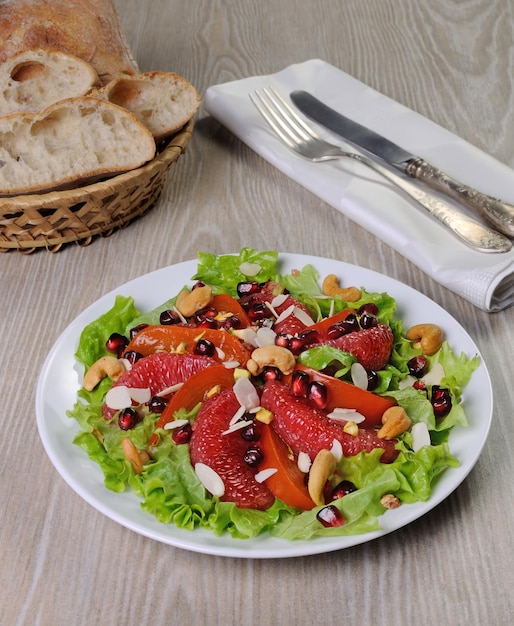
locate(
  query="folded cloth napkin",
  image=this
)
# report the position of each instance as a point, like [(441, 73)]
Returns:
[(486, 280)]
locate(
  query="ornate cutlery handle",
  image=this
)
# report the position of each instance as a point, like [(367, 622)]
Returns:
[(472, 232), (498, 213)]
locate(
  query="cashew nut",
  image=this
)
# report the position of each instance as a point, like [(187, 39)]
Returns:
[(136, 457), (390, 501), (105, 366), (395, 422), (189, 302), (428, 337), (331, 287), (276, 356), (322, 468)]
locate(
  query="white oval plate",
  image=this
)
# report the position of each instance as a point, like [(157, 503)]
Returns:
[(60, 380)]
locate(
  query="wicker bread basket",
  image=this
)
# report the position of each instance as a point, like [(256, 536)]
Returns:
[(50, 220)]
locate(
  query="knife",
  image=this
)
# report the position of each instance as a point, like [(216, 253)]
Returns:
[(498, 213)]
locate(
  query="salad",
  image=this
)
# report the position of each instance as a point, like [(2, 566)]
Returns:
[(253, 402)]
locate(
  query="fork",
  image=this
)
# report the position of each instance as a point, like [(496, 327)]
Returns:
[(301, 138)]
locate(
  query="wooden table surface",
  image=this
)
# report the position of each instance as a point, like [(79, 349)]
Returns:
[(63, 562)]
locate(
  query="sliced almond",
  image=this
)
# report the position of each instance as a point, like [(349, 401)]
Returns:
[(250, 269), (140, 396), (420, 436), (435, 375), (246, 393), (337, 449), (359, 376), (175, 424), (346, 415), (265, 337), (210, 479), (264, 474), (304, 462), (169, 390), (118, 398)]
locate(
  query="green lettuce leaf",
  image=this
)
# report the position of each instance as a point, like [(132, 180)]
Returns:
[(92, 339), (224, 272)]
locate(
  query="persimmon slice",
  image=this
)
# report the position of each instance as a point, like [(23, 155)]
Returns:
[(288, 483)]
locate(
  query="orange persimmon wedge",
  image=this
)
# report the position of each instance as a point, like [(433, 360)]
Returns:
[(194, 390), (288, 483), (184, 338), (224, 303), (323, 325)]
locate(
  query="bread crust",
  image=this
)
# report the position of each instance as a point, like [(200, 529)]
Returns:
[(88, 29), (162, 101)]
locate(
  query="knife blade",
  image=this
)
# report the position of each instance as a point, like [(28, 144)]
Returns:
[(497, 212)]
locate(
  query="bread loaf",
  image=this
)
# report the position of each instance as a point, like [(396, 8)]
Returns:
[(162, 101), (72, 142), (88, 29), (33, 79)]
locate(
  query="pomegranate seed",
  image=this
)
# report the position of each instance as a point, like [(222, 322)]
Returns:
[(182, 435), (342, 489), (204, 347), (368, 321), (128, 418), (157, 404), (296, 345), (230, 322), (372, 380), (300, 381), (132, 356), (344, 327), (136, 329), (330, 516), (258, 311), (318, 394), (417, 366), (247, 288), (205, 314), (370, 307), (253, 457), (270, 372), (169, 317), (335, 331), (250, 433), (441, 401), (419, 385), (282, 340), (208, 322), (116, 344), (310, 336)]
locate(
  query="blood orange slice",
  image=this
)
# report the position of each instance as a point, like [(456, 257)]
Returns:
[(224, 453), (159, 371), (304, 428)]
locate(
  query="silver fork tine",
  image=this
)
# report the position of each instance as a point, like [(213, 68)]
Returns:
[(268, 112), (303, 129), (277, 113)]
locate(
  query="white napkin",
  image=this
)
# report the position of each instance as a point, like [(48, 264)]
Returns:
[(485, 280)]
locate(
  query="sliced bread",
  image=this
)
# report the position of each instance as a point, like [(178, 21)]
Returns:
[(70, 143), (89, 29), (31, 80), (162, 101)]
